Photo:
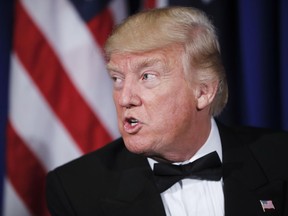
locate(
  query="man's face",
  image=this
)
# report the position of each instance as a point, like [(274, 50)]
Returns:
[(155, 103)]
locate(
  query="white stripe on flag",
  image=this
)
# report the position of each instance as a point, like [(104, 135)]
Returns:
[(80, 56), (161, 3), (119, 10), (35, 122), (12, 204)]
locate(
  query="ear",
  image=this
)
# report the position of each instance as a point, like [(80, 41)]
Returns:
[(205, 93)]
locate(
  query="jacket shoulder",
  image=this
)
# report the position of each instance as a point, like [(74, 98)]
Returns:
[(250, 135), (106, 157), (268, 147)]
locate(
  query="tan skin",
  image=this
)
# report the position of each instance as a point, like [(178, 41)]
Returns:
[(160, 113)]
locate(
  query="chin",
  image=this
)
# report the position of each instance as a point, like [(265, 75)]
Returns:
[(135, 147)]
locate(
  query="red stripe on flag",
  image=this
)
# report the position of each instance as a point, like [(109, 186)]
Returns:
[(149, 4), (48, 74), (100, 29), (26, 174)]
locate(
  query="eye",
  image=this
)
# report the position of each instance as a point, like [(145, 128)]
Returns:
[(117, 81), (148, 76)]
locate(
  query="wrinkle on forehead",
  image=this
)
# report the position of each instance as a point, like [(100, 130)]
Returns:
[(164, 58)]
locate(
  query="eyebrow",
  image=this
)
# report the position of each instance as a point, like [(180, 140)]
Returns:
[(111, 67), (148, 62)]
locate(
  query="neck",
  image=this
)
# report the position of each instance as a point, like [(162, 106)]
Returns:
[(188, 148)]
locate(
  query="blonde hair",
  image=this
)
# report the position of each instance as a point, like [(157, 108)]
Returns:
[(188, 27)]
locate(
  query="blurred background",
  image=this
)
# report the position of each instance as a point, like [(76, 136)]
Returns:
[(55, 97)]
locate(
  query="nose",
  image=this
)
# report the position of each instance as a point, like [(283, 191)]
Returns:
[(129, 95)]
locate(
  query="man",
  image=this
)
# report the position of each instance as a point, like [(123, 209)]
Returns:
[(169, 84)]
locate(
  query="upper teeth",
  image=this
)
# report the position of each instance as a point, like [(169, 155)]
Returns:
[(133, 121)]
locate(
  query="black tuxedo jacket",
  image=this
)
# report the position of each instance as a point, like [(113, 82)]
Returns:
[(115, 182)]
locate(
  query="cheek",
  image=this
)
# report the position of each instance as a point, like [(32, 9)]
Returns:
[(116, 102), (119, 111), (174, 109), (115, 97), (171, 111)]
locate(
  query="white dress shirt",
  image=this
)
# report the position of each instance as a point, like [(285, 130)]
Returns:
[(190, 197)]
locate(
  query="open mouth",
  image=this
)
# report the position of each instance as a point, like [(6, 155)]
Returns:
[(132, 125), (132, 121)]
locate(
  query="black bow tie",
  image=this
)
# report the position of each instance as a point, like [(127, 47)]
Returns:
[(208, 167)]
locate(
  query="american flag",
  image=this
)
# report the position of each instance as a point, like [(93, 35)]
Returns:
[(267, 204), (60, 96)]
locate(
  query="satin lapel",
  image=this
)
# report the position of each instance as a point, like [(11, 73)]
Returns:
[(243, 193), (136, 193)]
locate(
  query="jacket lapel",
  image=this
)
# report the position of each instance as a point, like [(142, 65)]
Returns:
[(136, 193), (243, 194)]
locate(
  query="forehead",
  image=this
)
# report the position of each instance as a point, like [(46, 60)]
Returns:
[(159, 57)]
